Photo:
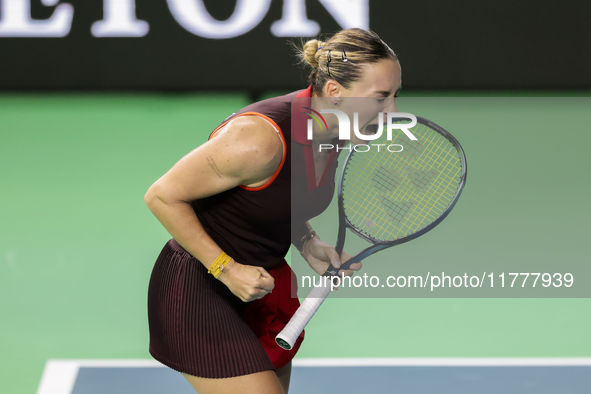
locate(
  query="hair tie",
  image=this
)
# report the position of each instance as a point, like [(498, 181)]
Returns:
[(319, 48)]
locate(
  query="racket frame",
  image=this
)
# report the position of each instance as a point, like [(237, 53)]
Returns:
[(378, 245)]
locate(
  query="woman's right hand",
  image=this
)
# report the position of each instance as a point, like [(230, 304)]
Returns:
[(247, 282)]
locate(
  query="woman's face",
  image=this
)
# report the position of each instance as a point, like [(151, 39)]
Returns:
[(380, 79), (373, 93)]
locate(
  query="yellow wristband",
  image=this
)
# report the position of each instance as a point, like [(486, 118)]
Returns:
[(218, 265)]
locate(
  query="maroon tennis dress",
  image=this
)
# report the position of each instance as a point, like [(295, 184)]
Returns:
[(197, 326)]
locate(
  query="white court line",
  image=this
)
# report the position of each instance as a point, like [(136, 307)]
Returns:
[(59, 376)]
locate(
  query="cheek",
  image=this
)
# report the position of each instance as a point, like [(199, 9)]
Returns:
[(366, 117), (371, 113)]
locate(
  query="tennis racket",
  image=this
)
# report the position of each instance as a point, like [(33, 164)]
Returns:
[(388, 197)]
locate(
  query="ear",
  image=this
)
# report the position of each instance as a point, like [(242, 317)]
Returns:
[(332, 89)]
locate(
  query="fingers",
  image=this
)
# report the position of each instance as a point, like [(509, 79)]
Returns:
[(253, 293), (261, 284), (334, 257), (266, 281), (249, 283), (324, 252), (354, 267)]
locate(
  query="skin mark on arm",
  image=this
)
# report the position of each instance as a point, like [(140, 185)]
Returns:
[(213, 166)]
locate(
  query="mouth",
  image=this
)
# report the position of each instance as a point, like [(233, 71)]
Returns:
[(371, 129)]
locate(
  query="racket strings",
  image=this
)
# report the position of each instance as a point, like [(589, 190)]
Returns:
[(421, 178), (385, 179), (396, 211), (441, 196), (433, 148), (391, 195), (403, 198)]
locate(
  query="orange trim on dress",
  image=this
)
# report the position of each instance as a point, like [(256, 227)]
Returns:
[(279, 132)]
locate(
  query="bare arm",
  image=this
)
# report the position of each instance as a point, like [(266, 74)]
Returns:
[(247, 151)]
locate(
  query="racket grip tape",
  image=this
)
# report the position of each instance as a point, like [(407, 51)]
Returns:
[(290, 333)]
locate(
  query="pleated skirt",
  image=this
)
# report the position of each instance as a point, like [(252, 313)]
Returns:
[(197, 326)]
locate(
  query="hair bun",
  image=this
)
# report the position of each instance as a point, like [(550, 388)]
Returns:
[(311, 52)]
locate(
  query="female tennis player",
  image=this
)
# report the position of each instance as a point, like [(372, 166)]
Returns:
[(220, 290)]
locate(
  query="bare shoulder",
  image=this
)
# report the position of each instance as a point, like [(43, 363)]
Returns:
[(252, 132), (253, 144)]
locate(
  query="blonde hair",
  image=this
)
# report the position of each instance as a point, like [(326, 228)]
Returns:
[(342, 56)]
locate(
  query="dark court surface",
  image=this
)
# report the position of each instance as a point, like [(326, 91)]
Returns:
[(381, 379)]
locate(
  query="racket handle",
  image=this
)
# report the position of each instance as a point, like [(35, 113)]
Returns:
[(332, 271), (289, 335)]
